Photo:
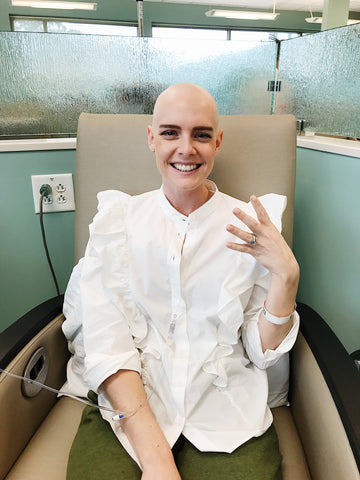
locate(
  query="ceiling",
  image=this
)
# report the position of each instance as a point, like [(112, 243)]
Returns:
[(299, 5)]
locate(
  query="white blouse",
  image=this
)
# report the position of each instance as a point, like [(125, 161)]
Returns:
[(159, 293)]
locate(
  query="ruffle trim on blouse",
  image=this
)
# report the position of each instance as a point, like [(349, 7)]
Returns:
[(109, 241), (231, 316), (234, 297)]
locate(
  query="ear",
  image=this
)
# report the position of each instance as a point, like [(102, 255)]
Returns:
[(150, 138), (219, 139)]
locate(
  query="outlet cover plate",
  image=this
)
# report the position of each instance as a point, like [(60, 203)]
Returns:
[(62, 195)]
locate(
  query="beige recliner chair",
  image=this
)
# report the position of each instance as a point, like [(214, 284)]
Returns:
[(319, 432)]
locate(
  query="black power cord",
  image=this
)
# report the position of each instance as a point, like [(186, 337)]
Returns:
[(46, 190)]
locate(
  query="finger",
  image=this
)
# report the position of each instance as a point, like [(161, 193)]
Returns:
[(261, 213), (249, 221), (242, 234), (241, 247)]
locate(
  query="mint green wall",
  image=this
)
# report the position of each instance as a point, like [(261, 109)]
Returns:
[(163, 13), (25, 278), (326, 239)]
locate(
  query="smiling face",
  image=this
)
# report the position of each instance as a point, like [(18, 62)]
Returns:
[(185, 137)]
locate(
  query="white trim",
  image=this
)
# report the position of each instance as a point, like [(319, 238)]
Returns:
[(38, 144), (340, 146)]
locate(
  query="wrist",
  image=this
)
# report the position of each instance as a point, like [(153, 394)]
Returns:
[(286, 281), (290, 275), (281, 296), (275, 319), (159, 460)]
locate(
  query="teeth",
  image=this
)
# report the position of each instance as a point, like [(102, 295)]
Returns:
[(184, 168)]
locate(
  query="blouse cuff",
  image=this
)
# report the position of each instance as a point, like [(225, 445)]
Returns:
[(103, 368), (268, 358)]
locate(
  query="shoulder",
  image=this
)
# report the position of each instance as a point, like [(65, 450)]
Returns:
[(109, 199), (273, 203), (113, 207), (115, 199), (275, 206)]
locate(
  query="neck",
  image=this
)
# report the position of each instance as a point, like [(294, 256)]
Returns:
[(188, 202)]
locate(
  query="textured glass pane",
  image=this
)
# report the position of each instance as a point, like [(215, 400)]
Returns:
[(180, 33), (320, 77), (48, 79), (90, 28), (257, 36), (23, 25)]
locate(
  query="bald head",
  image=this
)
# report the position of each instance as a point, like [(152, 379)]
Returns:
[(185, 138), (186, 97)]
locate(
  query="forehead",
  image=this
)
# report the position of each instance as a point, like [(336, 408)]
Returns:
[(185, 113)]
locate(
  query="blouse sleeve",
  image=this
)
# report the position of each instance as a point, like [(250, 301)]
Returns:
[(97, 296), (275, 206)]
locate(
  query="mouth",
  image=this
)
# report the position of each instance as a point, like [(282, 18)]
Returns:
[(185, 167)]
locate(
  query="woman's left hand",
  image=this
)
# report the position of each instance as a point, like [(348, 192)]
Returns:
[(270, 249)]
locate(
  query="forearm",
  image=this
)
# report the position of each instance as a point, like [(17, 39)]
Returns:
[(126, 393), (280, 301)]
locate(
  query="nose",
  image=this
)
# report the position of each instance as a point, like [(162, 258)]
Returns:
[(186, 145)]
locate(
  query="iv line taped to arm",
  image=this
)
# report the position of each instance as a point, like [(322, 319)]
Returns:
[(117, 414)]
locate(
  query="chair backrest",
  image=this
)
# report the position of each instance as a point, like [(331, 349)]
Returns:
[(257, 157)]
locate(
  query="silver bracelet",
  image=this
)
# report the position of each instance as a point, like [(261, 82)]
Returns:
[(276, 320)]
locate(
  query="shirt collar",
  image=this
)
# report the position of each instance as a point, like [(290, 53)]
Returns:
[(199, 214)]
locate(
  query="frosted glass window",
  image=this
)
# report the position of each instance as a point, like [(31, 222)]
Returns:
[(320, 77), (285, 35), (199, 33), (47, 80), (53, 25), (257, 36), (91, 28), (28, 25)]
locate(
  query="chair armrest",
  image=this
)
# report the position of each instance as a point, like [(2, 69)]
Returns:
[(339, 372), (21, 415), (17, 335)]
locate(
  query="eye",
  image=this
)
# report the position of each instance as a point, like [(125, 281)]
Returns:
[(168, 133), (203, 136)]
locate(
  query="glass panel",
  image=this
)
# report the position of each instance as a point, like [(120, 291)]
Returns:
[(48, 79), (320, 77), (257, 36), (284, 35), (91, 28), (28, 25), (52, 25), (199, 33)]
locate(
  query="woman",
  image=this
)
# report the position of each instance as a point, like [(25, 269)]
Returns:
[(185, 295)]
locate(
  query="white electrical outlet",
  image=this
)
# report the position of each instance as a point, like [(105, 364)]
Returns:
[(61, 198)]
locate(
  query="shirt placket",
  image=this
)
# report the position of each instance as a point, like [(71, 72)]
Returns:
[(178, 338)]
